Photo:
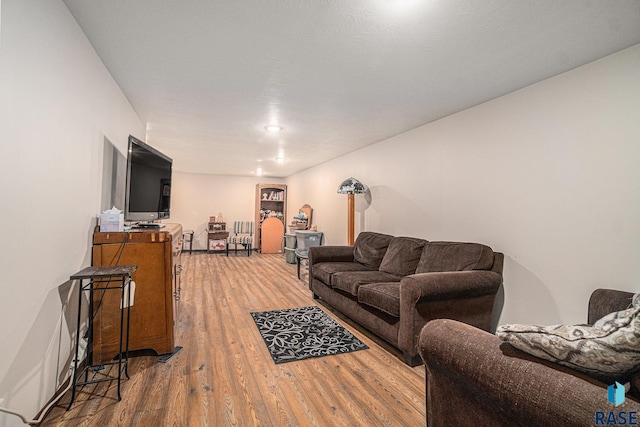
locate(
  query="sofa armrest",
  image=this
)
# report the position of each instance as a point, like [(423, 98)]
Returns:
[(319, 254), (466, 296), (605, 301), (450, 285), (475, 379)]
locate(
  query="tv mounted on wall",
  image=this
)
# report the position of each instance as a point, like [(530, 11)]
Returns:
[(148, 188)]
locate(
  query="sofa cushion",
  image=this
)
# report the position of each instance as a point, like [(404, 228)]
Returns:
[(383, 296), (454, 256), (350, 281), (369, 248), (402, 256), (324, 270), (609, 350)]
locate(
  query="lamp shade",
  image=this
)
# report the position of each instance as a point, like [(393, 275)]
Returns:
[(351, 186)]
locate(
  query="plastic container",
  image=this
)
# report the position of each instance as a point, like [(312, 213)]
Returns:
[(294, 228), (290, 255), (290, 241), (305, 239)]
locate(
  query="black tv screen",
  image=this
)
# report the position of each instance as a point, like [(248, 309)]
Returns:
[(148, 188)]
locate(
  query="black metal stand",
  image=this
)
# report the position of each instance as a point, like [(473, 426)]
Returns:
[(246, 247), (100, 279), (189, 233), (299, 259), (166, 357)]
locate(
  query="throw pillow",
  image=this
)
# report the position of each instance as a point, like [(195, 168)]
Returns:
[(609, 350), (402, 256), (454, 256)]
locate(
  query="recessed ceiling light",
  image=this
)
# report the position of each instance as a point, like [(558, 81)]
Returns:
[(259, 171), (280, 159), (273, 128)]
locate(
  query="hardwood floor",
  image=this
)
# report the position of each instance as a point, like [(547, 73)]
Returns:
[(225, 376)]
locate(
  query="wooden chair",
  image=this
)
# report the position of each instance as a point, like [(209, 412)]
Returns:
[(242, 234)]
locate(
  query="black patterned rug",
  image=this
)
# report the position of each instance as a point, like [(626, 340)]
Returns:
[(301, 333)]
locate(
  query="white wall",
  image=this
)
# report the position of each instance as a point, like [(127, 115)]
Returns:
[(548, 175), (196, 197), (58, 104)]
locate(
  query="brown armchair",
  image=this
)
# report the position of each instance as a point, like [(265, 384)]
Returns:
[(473, 379)]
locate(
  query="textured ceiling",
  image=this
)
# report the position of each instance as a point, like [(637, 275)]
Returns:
[(206, 76)]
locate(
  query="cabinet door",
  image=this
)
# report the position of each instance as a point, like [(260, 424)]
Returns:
[(151, 324), (272, 236)]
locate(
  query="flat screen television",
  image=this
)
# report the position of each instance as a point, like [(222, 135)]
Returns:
[(148, 184)]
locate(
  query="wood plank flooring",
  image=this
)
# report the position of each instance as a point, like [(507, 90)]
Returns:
[(224, 376)]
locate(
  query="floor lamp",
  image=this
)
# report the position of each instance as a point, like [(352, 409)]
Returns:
[(351, 187)]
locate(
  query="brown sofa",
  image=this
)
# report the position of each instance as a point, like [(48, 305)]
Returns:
[(394, 285), (474, 379)]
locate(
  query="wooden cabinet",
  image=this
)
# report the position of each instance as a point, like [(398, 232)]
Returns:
[(217, 235), (157, 254), (271, 202)]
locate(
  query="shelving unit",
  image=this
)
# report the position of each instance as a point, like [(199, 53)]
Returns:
[(271, 202), (302, 221)]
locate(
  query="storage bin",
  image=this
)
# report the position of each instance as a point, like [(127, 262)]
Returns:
[(305, 239), (290, 254), (290, 241), (294, 228)]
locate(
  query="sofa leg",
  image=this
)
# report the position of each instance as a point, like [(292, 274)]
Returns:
[(412, 361), (315, 296)]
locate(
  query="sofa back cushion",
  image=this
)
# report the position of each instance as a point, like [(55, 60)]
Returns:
[(402, 256), (369, 248), (454, 256)]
